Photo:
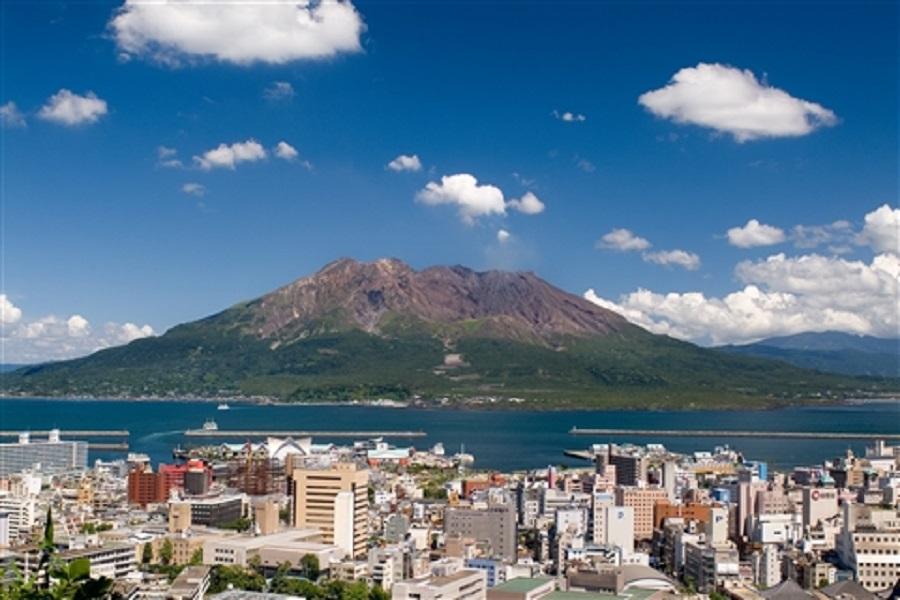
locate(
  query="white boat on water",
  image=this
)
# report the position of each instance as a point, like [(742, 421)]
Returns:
[(210, 425), (223, 406)]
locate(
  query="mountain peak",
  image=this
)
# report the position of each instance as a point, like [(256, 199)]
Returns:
[(351, 294)]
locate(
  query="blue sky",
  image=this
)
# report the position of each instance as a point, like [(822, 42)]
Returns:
[(95, 226)]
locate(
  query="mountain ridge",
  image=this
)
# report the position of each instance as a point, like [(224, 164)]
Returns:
[(830, 351), (357, 330)]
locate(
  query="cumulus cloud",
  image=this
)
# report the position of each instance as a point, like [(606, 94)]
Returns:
[(474, 200), (528, 204), (11, 116), (882, 230), (242, 33), (503, 235), (9, 312), (782, 295), (678, 258), (734, 101), (279, 90), (70, 109), (53, 338), (194, 189), (623, 240), (569, 117), (285, 151), (228, 156), (405, 162), (78, 326), (755, 234)]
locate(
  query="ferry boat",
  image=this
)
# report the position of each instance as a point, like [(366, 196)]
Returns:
[(223, 406), (210, 425)]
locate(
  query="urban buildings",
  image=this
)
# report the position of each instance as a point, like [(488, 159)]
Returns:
[(49, 456), (334, 500)]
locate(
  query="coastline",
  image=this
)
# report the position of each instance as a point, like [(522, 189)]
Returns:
[(495, 406)]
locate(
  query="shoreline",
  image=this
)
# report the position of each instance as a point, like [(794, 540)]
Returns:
[(497, 406)]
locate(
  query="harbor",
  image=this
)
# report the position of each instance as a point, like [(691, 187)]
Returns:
[(810, 435)]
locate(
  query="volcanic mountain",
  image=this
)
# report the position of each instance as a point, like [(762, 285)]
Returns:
[(364, 330)]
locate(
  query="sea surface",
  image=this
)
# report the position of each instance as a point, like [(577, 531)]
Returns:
[(504, 440)]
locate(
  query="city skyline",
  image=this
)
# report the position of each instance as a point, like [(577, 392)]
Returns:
[(560, 141)]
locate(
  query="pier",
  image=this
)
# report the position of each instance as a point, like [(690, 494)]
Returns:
[(239, 433), (810, 435), (69, 433), (108, 447)]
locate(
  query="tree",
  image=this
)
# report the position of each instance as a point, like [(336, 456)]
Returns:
[(166, 551), (378, 593), (309, 564), (147, 554), (237, 577), (358, 590), (196, 557)]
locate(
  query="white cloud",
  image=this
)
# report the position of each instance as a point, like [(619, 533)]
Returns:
[(285, 151), (9, 312), (473, 200), (839, 233), (194, 189), (243, 33), (679, 258), (52, 338), (11, 116), (622, 240), (279, 90), (734, 101), (228, 156), (168, 158), (755, 234), (129, 332), (781, 296), (66, 108), (503, 235), (569, 117), (528, 204), (78, 326), (405, 162), (882, 230)]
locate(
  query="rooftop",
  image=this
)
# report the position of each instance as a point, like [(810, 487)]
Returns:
[(522, 585)]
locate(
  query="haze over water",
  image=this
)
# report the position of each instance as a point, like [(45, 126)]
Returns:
[(503, 440)]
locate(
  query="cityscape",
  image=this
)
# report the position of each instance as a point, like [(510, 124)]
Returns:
[(449, 300), (285, 517)]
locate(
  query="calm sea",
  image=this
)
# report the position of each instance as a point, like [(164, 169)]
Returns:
[(499, 440)]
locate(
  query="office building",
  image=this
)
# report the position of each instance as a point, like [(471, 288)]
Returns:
[(495, 525), (643, 501), (464, 584), (335, 501), (48, 456)]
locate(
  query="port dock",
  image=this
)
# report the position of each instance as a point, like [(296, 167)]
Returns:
[(69, 433), (243, 433), (725, 433)]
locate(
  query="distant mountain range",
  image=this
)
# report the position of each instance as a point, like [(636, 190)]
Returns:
[(830, 351), (357, 330)]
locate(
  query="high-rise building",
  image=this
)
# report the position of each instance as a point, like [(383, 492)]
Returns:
[(51, 455), (631, 469), (335, 501), (643, 501), (146, 487), (21, 514), (496, 525)]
